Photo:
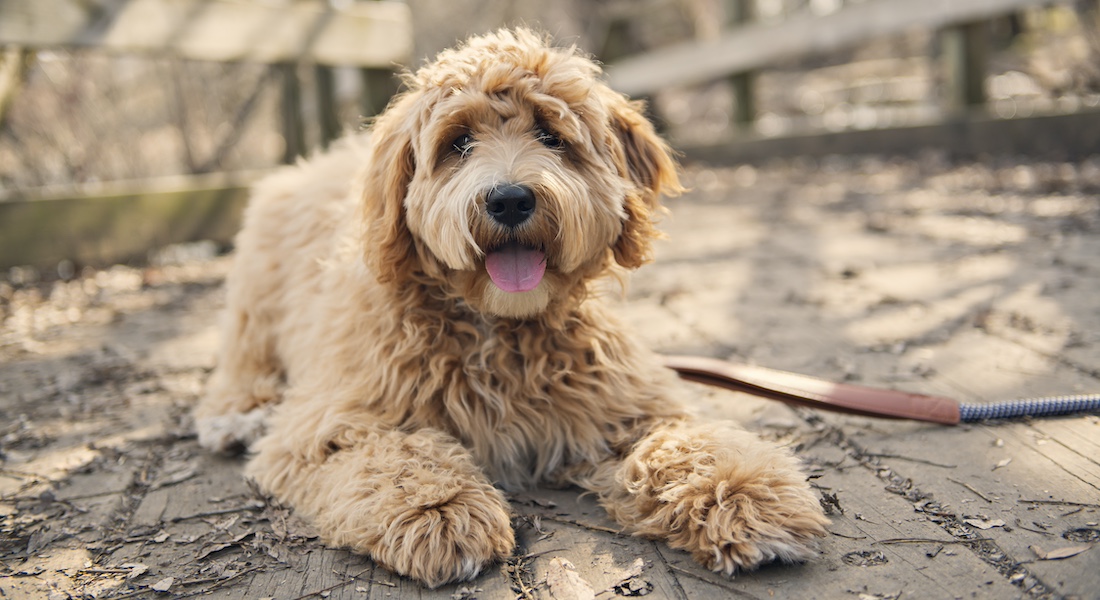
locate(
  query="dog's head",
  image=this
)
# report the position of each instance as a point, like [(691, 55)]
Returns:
[(509, 175)]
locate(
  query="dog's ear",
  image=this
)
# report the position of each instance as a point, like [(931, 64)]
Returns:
[(647, 162), (389, 250)]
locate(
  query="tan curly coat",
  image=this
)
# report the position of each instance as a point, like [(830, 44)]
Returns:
[(390, 383)]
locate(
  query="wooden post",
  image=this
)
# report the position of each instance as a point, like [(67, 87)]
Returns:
[(738, 13), (326, 104), (965, 56), (379, 85), (293, 132), (618, 42), (13, 66)]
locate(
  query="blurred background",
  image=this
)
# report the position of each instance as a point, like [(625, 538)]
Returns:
[(79, 114), (165, 110)]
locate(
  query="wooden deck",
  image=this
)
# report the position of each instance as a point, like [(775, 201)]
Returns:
[(966, 281)]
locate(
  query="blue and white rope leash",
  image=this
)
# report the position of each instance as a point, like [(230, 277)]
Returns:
[(1030, 407)]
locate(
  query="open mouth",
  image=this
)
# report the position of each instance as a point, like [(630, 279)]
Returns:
[(514, 267)]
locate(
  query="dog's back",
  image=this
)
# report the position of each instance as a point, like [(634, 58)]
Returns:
[(293, 227)]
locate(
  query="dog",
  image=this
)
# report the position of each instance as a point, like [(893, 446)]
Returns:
[(414, 326)]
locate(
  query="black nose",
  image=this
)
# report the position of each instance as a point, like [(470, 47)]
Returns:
[(510, 205)]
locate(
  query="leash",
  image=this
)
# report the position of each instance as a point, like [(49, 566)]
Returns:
[(809, 391)]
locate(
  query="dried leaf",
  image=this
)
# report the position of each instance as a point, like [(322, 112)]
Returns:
[(163, 585), (565, 583), (984, 523), (1003, 463), (211, 549), (635, 569), (136, 569), (179, 475), (629, 581), (543, 502), (1060, 553)]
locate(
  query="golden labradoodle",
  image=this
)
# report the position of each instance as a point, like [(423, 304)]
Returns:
[(412, 327)]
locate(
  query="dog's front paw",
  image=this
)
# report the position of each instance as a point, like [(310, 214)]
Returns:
[(734, 524), (441, 534), (232, 433), (729, 499)]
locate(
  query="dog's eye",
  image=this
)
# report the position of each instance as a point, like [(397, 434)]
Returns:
[(548, 139), (463, 144)]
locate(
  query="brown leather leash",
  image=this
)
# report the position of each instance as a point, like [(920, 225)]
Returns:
[(813, 392)]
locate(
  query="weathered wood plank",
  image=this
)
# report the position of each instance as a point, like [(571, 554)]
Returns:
[(795, 268), (367, 34), (119, 222), (1050, 137), (753, 46)]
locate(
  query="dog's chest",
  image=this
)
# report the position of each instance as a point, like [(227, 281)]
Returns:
[(525, 403)]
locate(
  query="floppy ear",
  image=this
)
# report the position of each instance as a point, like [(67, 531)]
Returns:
[(647, 162), (389, 250)]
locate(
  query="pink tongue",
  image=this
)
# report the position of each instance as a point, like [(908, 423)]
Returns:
[(514, 268)]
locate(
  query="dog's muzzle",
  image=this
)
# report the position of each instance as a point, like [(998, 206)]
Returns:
[(513, 266)]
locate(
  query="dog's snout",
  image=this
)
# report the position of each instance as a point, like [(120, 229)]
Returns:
[(510, 205)]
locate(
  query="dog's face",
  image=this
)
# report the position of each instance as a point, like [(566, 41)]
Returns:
[(509, 175)]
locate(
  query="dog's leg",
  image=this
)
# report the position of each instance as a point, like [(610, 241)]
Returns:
[(414, 502), (233, 412), (730, 499)]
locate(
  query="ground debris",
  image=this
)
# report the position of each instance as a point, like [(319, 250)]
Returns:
[(565, 583), (630, 582), (1059, 553), (983, 523), (466, 593), (521, 578), (830, 502), (865, 558), (1082, 534), (863, 594)]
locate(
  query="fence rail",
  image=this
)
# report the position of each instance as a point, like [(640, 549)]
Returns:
[(364, 34), (123, 221), (747, 48), (755, 45)]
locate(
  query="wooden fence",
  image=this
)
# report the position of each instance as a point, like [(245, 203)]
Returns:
[(122, 221), (747, 48)]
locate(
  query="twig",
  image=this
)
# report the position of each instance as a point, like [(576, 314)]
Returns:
[(219, 583), (588, 526), (351, 578), (514, 569), (971, 488), (910, 459), (929, 541), (1020, 525), (322, 590), (1059, 503), (533, 555), (214, 513), (714, 582), (94, 571), (847, 537)]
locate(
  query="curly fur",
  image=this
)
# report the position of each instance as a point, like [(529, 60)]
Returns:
[(402, 389)]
